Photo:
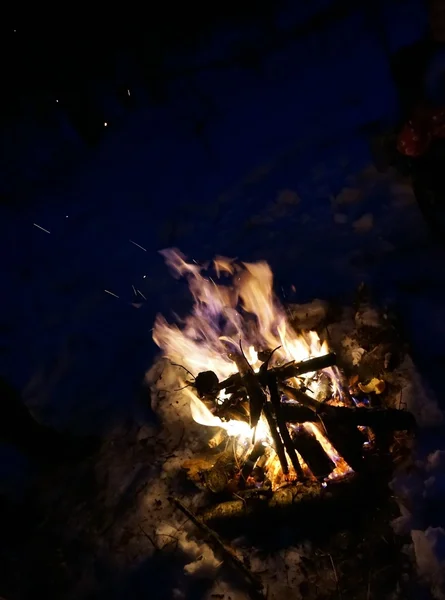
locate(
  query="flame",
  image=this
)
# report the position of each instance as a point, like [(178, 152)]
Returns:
[(218, 317), (341, 466), (245, 311)]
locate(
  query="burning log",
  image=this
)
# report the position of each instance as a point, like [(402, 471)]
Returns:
[(218, 476), (257, 397), (341, 426), (282, 427), (278, 443), (287, 371), (248, 467), (312, 452), (257, 402), (295, 369), (389, 419), (300, 397)]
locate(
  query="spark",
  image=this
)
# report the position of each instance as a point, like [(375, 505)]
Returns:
[(144, 276), (42, 228), (134, 289), (128, 92), (105, 124), (111, 293), (66, 216), (139, 246), (139, 291)]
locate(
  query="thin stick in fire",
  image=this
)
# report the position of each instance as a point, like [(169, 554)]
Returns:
[(258, 404), (282, 427)]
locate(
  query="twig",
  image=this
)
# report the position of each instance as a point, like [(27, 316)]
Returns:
[(278, 442), (213, 538), (153, 542), (182, 367), (282, 426), (183, 387), (335, 575)]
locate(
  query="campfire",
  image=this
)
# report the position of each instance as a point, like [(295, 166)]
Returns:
[(287, 417)]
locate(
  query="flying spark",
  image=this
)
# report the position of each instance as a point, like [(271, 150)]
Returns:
[(138, 245), (42, 228), (134, 290), (139, 291), (111, 293)]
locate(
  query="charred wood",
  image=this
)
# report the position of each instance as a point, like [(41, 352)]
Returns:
[(313, 454), (294, 369), (250, 382), (287, 371), (248, 467), (390, 419), (282, 427), (278, 443), (301, 397)]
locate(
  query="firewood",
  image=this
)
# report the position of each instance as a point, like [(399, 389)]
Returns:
[(294, 369), (301, 397), (312, 453), (218, 476), (217, 439), (284, 498), (341, 424), (255, 392), (282, 427), (255, 585), (277, 441), (288, 370), (390, 419), (257, 451)]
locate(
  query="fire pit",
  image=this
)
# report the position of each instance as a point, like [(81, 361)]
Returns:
[(290, 405)]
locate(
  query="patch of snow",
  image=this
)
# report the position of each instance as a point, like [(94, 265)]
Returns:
[(340, 219), (418, 397), (364, 224), (203, 563), (429, 549), (367, 317), (310, 315), (349, 196)]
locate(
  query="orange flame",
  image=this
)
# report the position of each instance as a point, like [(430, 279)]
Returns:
[(245, 311)]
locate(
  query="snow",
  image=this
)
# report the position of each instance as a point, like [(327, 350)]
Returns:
[(282, 174)]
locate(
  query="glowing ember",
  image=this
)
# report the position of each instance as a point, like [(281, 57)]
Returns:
[(242, 315)]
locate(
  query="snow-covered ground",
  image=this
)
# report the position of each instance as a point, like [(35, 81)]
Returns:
[(282, 173)]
